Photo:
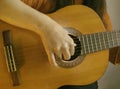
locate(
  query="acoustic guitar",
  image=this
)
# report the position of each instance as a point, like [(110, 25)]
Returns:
[(24, 63)]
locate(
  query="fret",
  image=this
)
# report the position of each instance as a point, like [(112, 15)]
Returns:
[(115, 37), (106, 40), (91, 43), (111, 43), (103, 39), (108, 37), (118, 38), (99, 41), (88, 44), (116, 42), (90, 39), (83, 45), (112, 40), (96, 47)]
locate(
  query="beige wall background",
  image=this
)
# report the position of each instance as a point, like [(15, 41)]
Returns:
[(111, 78), (113, 7)]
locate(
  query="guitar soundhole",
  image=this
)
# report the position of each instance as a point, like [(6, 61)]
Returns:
[(77, 58), (77, 47)]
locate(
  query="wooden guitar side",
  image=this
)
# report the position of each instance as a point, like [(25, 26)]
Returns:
[(35, 71)]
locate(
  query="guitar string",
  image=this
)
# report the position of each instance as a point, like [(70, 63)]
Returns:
[(29, 48), (99, 44)]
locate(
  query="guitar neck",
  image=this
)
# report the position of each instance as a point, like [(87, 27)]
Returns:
[(91, 43)]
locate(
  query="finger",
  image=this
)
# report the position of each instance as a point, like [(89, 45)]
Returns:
[(51, 58), (72, 49), (66, 52), (50, 54), (58, 52)]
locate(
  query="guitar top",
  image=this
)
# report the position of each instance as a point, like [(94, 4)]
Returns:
[(24, 63)]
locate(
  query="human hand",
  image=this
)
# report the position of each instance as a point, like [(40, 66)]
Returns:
[(57, 41)]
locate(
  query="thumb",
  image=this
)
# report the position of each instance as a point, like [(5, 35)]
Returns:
[(50, 54), (51, 58)]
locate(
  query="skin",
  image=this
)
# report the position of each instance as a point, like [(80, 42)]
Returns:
[(17, 13)]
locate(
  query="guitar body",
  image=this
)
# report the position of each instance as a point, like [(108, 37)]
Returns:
[(35, 71)]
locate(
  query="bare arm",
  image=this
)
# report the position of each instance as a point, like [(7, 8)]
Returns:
[(17, 13)]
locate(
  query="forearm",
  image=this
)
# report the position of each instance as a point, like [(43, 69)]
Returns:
[(19, 14)]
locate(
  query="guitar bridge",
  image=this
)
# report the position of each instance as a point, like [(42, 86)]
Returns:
[(10, 58)]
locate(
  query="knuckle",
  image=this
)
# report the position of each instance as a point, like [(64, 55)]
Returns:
[(56, 49)]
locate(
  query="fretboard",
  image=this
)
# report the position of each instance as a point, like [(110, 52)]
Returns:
[(91, 43)]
